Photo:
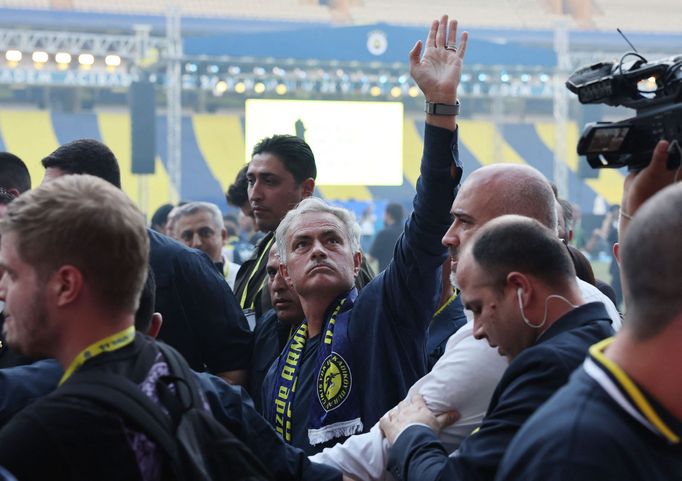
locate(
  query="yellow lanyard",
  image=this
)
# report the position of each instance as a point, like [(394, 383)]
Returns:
[(253, 273), (108, 344), (447, 303)]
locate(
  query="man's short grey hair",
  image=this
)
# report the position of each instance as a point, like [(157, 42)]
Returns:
[(192, 208), (651, 262), (314, 205)]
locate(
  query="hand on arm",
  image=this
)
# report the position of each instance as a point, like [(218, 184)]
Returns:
[(413, 411), (438, 71)]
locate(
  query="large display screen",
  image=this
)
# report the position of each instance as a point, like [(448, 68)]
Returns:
[(354, 143)]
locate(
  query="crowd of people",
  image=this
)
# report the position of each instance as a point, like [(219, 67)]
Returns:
[(482, 348)]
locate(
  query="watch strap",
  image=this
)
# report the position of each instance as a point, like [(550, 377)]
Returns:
[(441, 109)]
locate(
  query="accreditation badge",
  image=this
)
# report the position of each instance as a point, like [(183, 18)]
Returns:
[(334, 382)]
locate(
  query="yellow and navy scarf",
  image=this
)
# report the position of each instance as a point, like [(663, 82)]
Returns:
[(335, 409)]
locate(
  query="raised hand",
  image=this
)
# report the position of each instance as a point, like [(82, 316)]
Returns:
[(438, 71)]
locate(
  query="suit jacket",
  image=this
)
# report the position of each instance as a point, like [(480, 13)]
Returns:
[(530, 380)]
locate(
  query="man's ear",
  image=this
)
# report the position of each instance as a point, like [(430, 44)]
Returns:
[(223, 234), (66, 284), (285, 275), (307, 187), (616, 252), (357, 262), (516, 281), (155, 326)]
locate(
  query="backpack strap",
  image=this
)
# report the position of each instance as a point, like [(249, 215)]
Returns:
[(185, 394), (125, 398)]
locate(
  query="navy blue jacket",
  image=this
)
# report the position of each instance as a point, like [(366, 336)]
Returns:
[(201, 317), (530, 380), (583, 433), (22, 385), (388, 322)]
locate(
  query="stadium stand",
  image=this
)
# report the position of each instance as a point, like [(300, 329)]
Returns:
[(630, 15), (213, 152)]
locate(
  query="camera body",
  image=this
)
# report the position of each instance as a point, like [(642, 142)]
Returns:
[(653, 89)]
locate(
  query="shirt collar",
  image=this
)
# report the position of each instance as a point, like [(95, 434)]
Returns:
[(632, 398)]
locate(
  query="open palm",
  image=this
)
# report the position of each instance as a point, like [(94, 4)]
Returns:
[(438, 71)]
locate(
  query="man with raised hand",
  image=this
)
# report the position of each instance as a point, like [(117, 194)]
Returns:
[(466, 375), (356, 355)]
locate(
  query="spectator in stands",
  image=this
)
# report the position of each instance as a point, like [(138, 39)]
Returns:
[(160, 218), (374, 339), (518, 280), (620, 417), (466, 375), (275, 329), (202, 318), (200, 225), (382, 247)]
